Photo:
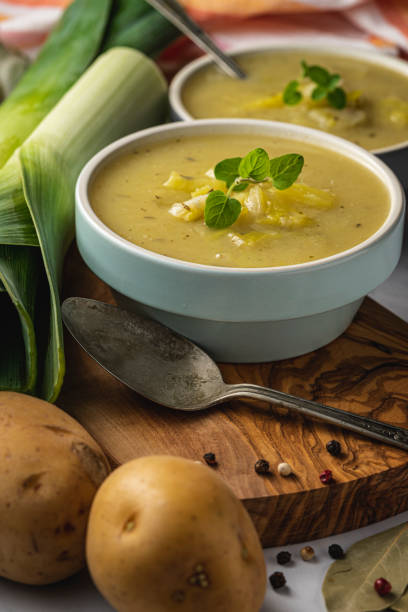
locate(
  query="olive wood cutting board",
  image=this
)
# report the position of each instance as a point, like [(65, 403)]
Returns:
[(364, 371)]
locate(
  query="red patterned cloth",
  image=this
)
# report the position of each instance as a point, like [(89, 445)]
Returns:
[(24, 24)]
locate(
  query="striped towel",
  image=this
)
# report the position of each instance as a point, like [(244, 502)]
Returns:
[(24, 24), (378, 23)]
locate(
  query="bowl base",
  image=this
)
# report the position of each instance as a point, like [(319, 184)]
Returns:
[(253, 342)]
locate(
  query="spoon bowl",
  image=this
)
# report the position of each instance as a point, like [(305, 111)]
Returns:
[(161, 365), (172, 371)]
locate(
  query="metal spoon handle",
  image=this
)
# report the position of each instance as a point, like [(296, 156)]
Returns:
[(362, 425), (172, 10)]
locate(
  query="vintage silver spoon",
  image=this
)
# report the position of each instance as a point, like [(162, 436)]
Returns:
[(173, 372), (175, 13)]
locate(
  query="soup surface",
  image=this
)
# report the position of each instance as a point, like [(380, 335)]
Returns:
[(376, 114), (155, 198)]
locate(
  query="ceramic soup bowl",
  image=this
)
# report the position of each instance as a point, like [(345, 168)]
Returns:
[(394, 155), (242, 314)]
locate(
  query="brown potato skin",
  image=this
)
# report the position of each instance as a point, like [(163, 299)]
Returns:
[(158, 521), (50, 469)]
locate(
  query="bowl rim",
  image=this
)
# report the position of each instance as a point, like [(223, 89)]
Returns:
[(312, 136), (372, 56)]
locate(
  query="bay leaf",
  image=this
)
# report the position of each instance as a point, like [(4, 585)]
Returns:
[(349, 583), (402, 604)]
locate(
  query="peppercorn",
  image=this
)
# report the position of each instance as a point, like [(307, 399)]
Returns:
[(307, 553), (336, 551), (382, 586), (326, 477), (334, 448), (277, 580), (210, 459), (284, 469), (262, 466), (283, 557)]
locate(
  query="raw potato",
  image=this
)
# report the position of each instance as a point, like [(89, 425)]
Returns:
[(167, 534), (50, 469)]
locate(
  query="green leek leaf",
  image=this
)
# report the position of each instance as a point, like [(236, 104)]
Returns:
[(19, 273), (123, 15), (69, 49), (150, 33), (122, 91), (136, 24)]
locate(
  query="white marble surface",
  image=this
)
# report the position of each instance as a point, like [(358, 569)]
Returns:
[(393, 294), (304, 579)]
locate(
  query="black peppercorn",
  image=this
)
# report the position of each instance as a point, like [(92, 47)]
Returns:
[(336, 551), (262, 466), (277, 580), (283, 557), (210, 459), (334, 448)]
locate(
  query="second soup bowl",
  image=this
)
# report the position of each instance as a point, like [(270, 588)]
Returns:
[(376, 83)]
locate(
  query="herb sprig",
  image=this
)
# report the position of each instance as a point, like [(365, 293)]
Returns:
[(221, 210), (326, 87)]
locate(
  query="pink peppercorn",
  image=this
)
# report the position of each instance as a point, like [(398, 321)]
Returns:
[(326, 477), (382, 586)]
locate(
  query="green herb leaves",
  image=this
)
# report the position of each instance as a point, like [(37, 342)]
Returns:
[(220, 209), (291, 94), (326, 87), (255, 165), (337, 98), (227, 170), (285, 169)]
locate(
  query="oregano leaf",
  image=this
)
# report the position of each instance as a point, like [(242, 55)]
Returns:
[(337, 98), (334, 80), (227, 170), (285, 169), (221, 211), (305, 68), (319, 93), (291, 95), (255, 165), (319, 75)]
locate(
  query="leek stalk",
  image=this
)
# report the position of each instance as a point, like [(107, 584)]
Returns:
[(121, 92), (68, 51), (86, 26)]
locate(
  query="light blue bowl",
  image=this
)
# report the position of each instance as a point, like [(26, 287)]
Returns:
[(243, 314), (394, 156)]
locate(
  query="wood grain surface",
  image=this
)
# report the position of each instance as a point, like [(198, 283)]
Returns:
[(364, 371)]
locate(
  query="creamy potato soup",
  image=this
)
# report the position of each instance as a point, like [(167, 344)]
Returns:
[(155, 197), (376, 111)]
